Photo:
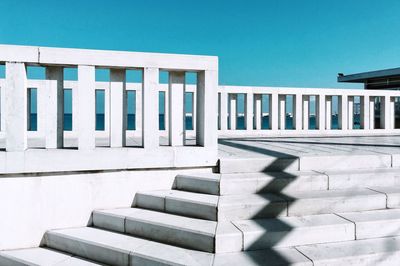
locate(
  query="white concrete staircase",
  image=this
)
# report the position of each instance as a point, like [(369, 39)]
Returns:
[(283, 217)]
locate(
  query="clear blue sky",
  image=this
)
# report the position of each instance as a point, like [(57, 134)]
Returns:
[(273, 43)]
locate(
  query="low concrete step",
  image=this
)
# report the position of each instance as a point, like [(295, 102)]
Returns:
[(42, 257), (121, 250), (332, 201), (171, 229), (305, 163), (375, 224), (184, 203), (200, 183), (298, 203), (251, 183), (348, 179), (253, 165), (392, 195), (293, 231), (377, 251), (270, 257)]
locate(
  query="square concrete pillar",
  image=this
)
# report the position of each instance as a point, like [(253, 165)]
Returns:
[(350, 113), (176, 92), (150, 134), (392, 112), (298, 111), (386, 115), (328, 112), (282, 112), (343, 112), (16, 107), (320, 112), (86, 107), (118, 109), (258, 111), (364, 108), (54, 102), (3, 108), (232, 111), (372, 112), (249, 111), (206, 126), (138, 110), (306, 111), (274, 111)]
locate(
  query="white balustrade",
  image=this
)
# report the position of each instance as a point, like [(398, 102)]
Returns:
[(50, 132), (325, 108)]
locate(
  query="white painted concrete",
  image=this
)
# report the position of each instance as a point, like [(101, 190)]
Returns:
[(67, 200), (118, 108)]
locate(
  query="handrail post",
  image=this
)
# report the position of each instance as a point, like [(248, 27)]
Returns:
[(86, 107), (306, 111), (150, 134), (249, 111), (54, 107), (206, 128), (176, 92), (118, 110), (16, 107)]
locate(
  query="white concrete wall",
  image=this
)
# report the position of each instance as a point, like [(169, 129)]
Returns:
[(32, 204)]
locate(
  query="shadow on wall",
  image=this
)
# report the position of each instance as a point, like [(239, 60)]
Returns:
[(275, 188)]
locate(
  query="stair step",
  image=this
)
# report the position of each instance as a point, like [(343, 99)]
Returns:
[(243, 207), (185, 203), (253, 165), (332, 201), (377, 251), (375, 224), (363, 178), (270, 257), (278, 162), (251, 183), (293, 231), (40, 256), (121, 250), (170, 229), (200, 183), (392, 195)]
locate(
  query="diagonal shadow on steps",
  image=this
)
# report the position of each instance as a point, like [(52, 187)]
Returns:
[(281, 179)]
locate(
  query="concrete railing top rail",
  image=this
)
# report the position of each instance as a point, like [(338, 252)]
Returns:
[(105, 58)]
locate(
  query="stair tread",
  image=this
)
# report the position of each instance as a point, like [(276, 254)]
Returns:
[(344, 252), (339, 193), (290, 223), (371, 216), (163, 219), (41, 256), (274, 257), (136, 250), (187, 196)]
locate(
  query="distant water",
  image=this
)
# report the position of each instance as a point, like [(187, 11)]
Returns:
[(289, 122), (241, 125)]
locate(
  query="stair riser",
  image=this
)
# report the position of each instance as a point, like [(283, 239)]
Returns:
[(163, 234), (295, 237), (87, 250), (176, 206), (301, 207)]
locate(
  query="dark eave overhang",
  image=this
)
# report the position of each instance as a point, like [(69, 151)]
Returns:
[(365, 76)]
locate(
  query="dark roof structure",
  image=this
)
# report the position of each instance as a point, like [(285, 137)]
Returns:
[(380, 79)]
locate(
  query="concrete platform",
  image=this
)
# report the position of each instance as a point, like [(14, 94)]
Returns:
[(308, 153)]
